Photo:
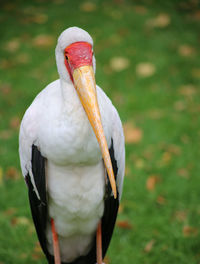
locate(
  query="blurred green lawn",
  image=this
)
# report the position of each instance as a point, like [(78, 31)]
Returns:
[(148, 63)]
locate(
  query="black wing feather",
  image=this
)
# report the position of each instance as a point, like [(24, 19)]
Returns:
[(39, 206)]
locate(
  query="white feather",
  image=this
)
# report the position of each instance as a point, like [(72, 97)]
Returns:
[(56, 122)]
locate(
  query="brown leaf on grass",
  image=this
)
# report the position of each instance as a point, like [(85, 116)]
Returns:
[(174, 149), (180, 105), (6, 64), (182, 172), (125, 224), (119, 63), (88, 7), (155, 114), (39, 18), (161, 200), (12, 173), (145, 69), (37, 252), (161, 21), (188, 90), (5, 88), (43, 41), (180, 216), (106, 260), (151, 182), (166, 157), (139, 9), (148, 247), (21, 220), (189, 231), (139, 163), (15, 122), (186, 50), (6, 134), (12, 45), (121, 208), (132, 134), (22, 58), (10, 211)]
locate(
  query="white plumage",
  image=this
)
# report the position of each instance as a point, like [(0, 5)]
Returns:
[(75, 174)]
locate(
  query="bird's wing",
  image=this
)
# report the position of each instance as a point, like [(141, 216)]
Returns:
[(33, 169), (111, 205)]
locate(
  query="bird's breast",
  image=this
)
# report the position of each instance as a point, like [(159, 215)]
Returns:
[(68, 138), (76, 197)]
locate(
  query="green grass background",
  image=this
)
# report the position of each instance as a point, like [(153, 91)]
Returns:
[(164, 106)]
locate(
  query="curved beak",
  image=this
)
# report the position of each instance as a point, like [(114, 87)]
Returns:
[(85, 85)]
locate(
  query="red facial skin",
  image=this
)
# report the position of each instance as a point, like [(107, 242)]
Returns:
[(76, 55)]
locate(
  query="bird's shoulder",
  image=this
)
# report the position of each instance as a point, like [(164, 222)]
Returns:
[(30, 121)]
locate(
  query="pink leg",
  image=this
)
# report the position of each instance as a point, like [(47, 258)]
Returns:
[(99, 244), (55, 243)]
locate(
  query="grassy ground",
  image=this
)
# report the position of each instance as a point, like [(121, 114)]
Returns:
[(148, 63)]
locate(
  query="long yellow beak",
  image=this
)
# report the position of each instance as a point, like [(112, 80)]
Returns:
[(85, 85)]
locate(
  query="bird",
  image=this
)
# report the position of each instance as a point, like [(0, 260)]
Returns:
[(72, 156)]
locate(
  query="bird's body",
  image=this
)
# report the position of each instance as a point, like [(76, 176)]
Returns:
[(58, 142)]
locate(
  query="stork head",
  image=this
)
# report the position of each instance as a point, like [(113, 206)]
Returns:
[(76, 64)]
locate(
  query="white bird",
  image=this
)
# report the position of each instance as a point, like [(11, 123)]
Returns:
[(72, 156)]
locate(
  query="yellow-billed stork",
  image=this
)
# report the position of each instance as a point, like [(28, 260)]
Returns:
[(72, 155)]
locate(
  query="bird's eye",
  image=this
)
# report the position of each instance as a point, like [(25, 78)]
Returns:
[(66, 57)]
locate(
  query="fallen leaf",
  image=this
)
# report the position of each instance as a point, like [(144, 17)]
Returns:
[(6, 134), (124, 224), (181, 216), (182, 172), (22, 220), (185, 139), (15, 122), (132, 134), (5, 88), (139, 163), (40, 18), (188, 90), (189, 231), (179, 105), (155, 113), (186, 50), (22, 58), (6, 64), (10, 211), (88, 7), (43, 41), (119, 63), (12, 173), (140, 9), (148, 247), (161, 200), (161, 21), (37, 252), (166, 157), (145, 69), (106, 260), (151, 182), (121, 208), (12, 45), (174, 149)]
